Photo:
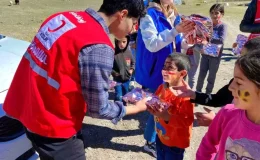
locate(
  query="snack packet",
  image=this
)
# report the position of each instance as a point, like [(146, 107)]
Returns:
[(111, 84), (211, 49), (203, 29), (240, 41), (136, 95), (155, 102)]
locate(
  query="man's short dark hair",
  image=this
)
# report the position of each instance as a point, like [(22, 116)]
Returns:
[(135, 8)]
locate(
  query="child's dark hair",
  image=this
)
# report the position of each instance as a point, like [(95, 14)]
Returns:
[(135, 8), (252, 44), (250, 66), (181, 61), (217, 7), (117, 49)]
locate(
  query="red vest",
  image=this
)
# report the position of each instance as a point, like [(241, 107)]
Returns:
[(45, 94), (257, 20)]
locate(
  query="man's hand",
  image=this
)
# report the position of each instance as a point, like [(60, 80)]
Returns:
[(205, 119), (183, 91)]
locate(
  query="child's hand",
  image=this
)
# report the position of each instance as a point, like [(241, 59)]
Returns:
[(183, 91), (159, 112), (205, 119)]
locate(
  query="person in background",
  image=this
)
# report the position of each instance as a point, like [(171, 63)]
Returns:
[(158, 36), (234, 132), (210, 64), (251, 21), (222, 97), (123, 67), (173, 125), (64, 76)]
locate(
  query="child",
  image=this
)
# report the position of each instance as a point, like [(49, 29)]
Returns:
[(209, 63), (234, 133), (173, 126), (123, 67)]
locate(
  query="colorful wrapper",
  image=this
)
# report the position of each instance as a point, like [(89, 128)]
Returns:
[(111, 84), (136, 95), (241, 40), (203, 29), (211, 49), (155, 102)]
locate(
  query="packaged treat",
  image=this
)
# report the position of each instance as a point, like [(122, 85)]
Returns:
[(203, 29), (136, 95), (155, 102), (111, 84), (211, 49), (240, 41)]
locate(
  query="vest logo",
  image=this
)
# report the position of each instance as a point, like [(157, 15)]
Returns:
[(78, 17), (38, 53), (50, 32)]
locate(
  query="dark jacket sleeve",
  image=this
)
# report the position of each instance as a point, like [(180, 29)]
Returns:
[(221, 98), (132, 66), (247, 24)]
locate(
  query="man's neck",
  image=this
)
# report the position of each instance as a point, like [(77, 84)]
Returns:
[(108, 20)]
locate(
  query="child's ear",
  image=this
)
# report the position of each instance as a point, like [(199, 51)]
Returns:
[(183, 73)]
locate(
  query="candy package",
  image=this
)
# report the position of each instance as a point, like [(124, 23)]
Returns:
[(155, 102), (240, 41), (211, 49), (111, 84), (203, 29), (136, 95)]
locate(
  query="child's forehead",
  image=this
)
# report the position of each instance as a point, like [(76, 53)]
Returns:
[(122, 39)]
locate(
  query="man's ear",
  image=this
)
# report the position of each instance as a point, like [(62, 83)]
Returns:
[(122, 14)]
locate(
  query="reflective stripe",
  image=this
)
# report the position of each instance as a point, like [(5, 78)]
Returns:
[(41, 72)]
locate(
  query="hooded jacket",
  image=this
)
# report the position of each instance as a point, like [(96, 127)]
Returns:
[(155, 39), (123, 62)]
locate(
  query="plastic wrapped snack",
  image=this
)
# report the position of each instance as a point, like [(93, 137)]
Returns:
[(136, 95), (211, 49), (203, 29), (111, 84), (240, 41), (155, 102)]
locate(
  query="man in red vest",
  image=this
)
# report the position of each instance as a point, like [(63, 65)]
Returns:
[(251, 20), (64, 75)]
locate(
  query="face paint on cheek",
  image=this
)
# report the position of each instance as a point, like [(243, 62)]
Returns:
[(244, 95)]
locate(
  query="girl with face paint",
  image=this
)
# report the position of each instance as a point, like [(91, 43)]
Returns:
[(208, 63), (239, 121)]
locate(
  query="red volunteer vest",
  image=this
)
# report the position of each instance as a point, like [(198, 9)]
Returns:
[(257, 20), (45, 94)]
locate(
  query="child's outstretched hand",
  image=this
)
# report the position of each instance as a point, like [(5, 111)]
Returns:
[(183, 91), (205, 119)]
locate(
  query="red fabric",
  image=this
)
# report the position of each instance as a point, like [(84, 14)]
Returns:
[(42, 108), (257, 20)]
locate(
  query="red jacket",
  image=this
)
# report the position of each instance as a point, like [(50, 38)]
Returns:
[(45, 94)]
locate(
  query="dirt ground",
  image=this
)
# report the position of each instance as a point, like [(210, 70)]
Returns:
[(105, 141)]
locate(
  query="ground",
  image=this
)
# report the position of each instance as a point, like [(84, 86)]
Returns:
[(103, 139)]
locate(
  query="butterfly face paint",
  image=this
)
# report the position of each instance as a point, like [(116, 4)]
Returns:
[(244, 95)]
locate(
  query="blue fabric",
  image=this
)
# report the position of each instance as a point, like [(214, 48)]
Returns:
[(149, 65), (150, 133), (121, 90), (168, 153), (179, 37)]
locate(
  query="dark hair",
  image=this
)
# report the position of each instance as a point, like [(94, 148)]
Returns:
[(117, 49), (217, 7), (181, 61), (252, 44), (135, 8), (250, 66)]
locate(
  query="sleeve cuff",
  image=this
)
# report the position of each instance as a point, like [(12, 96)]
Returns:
[(121, 115)]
